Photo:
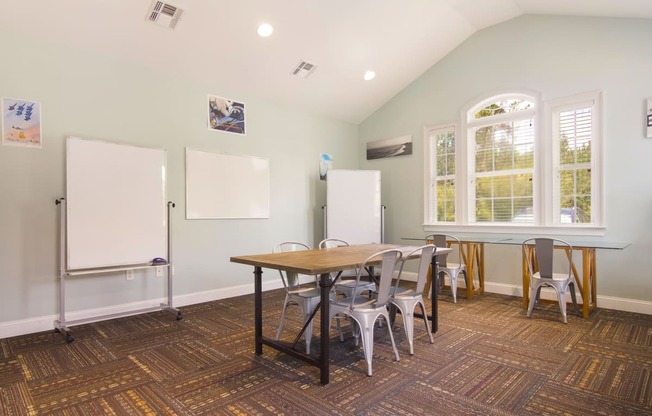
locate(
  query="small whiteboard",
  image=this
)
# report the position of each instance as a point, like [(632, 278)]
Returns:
[(226, 186), (116, 209)]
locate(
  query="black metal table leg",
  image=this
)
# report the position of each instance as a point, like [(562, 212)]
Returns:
[(434, 289), (324, 356), (258, 309)]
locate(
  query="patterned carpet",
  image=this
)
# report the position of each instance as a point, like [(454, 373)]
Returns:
[(488, 359)]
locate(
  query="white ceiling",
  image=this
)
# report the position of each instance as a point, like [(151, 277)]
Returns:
[(215, 41)]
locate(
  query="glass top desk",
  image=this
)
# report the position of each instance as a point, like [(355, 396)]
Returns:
[(473, 257), (587, 284), (472, 251)]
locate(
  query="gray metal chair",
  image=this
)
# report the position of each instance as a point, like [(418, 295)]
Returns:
[(346, 283), (450, 269), (539, 256), (306, 297), (406, 300), (364, 311)]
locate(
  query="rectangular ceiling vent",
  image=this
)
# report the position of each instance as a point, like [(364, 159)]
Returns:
[(303, 69), (164, 14)]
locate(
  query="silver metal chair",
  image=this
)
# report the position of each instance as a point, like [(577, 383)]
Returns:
[(539, 255), (406, 300), (307, 297), (450, 269), (346, 284), (365, 311)]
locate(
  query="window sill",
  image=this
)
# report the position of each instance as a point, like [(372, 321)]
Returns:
[(577, 230)]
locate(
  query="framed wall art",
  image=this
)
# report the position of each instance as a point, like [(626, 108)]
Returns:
[(21, 123), (226, 115)]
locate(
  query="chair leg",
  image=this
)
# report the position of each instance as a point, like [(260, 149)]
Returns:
[(408, 323), (428, 283), (425, 319), (392, 314), (533, 298), (308, 333), (561, 297), (571, 286), (391, 337), (367, 332), (280, 324), (453, 279)]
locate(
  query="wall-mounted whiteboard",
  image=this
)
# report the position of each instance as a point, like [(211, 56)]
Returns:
[(116, 208), (353, 206), (226, 186)]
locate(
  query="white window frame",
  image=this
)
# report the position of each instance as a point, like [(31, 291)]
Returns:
[(469, 127), (430, 169), (552, 110), (543, 186)]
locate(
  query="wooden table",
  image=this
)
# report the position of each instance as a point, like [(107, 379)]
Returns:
[(317, 262)]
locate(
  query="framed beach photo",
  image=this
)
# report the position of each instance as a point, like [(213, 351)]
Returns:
[(226, 115), (397, 146), (21, 123)]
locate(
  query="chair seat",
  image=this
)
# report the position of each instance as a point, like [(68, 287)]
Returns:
[(305, 293), (360, 303), (556, 277)]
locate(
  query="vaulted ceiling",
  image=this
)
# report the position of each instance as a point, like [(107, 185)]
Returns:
[(215, 41)]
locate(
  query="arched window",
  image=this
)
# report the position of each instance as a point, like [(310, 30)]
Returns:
[(511, 164), (500, 135)]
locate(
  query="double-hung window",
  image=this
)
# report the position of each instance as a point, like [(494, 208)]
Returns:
[(501, 169), (500, 161), (576, 138)]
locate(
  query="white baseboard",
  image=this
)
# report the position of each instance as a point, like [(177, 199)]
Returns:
[(44, 323), (606, 302)]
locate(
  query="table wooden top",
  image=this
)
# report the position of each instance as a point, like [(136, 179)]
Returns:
[(323, 260)]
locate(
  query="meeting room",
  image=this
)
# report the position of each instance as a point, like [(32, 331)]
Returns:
[(313, 208)]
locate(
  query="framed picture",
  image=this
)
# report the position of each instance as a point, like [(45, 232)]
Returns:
[(649, 117), (226, 115), (397, 146), (21, 123)]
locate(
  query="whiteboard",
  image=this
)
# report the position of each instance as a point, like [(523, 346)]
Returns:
[(226, 186), (115, 201), (353, 206)]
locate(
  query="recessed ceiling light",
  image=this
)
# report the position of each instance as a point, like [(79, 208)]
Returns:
[(369, 75), (265, 30)]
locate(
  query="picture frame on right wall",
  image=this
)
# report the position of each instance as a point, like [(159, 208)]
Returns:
[(648, 118)]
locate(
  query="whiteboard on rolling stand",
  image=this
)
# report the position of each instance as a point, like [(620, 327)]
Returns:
[(115, 197), (353, 206)]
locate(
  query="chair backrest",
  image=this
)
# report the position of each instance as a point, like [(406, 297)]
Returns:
[(336, 242), (441, 240), (332, 242), (389, 260), (542, 258), (290, 279), (425, 259)]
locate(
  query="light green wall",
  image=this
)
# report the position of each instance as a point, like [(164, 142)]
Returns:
[(86, 95), (557, 56)]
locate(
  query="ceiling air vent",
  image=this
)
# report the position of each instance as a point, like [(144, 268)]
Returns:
[(303, 69), (164, 14)]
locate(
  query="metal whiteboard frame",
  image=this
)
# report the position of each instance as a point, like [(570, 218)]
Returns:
[(62, 325)]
